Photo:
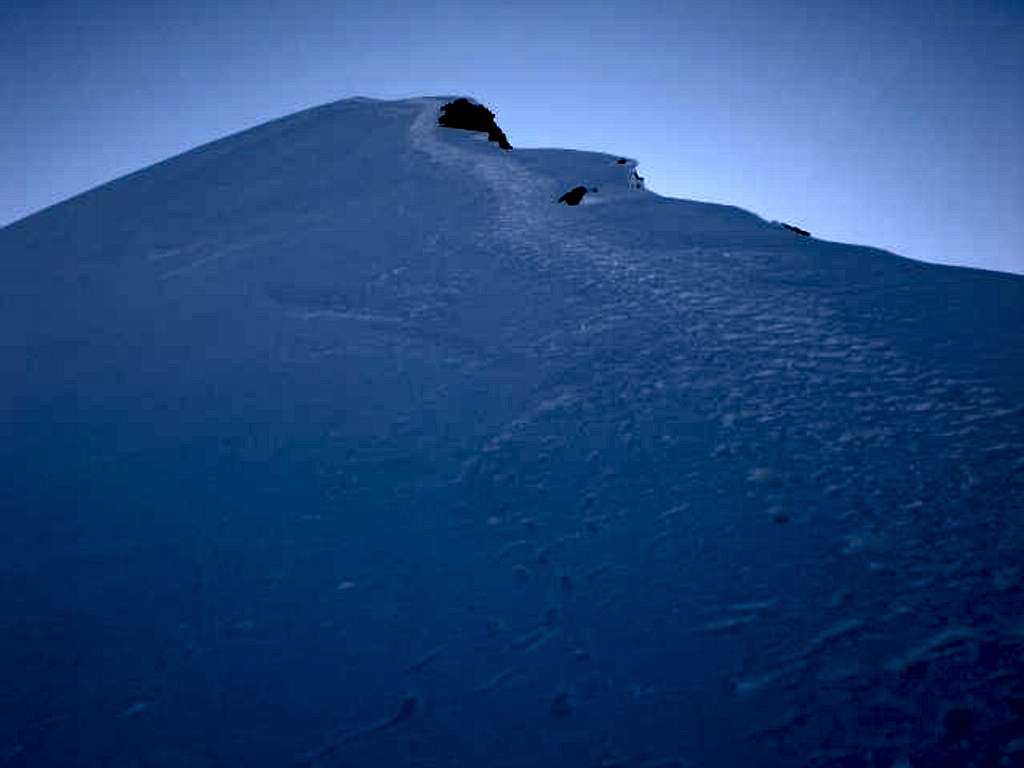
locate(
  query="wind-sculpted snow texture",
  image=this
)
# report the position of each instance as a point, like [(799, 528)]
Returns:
[(337, 443)]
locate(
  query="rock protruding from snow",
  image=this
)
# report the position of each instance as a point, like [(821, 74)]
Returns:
[(574, 196), (464, 114), (798, 230)]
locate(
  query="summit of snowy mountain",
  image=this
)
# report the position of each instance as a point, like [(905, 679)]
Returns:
[(342, 441), (466, 115)]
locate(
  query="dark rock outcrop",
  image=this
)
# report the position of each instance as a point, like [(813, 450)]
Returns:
[(573, 196), (799, 231), (467, 116)]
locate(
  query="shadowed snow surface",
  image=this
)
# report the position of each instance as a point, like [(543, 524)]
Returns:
[(339, 442)]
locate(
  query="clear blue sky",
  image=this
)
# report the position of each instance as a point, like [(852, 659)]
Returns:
[(895, 124)]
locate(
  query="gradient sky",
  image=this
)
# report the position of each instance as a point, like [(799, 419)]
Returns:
[(894, 124)]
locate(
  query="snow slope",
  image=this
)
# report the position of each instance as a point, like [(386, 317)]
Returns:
[(338, 442)]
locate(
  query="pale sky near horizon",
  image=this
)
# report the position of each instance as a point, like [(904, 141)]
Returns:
[(892, 124)]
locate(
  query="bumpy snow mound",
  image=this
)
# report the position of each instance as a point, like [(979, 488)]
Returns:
[(337, 441), (464, 114)]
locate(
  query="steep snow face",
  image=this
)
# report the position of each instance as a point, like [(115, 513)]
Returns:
[(339, 442)]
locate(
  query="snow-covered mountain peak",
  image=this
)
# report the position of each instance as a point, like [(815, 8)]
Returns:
[(341, 440)]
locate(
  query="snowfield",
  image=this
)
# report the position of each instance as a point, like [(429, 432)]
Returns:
[(338, 442)]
